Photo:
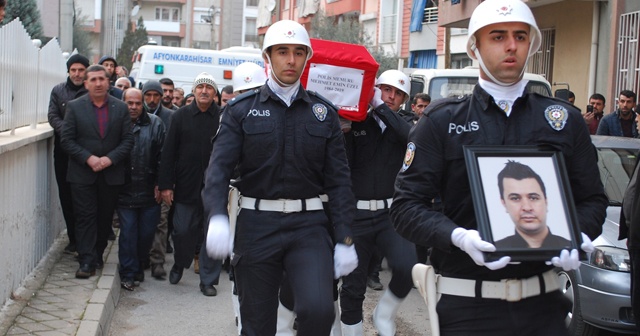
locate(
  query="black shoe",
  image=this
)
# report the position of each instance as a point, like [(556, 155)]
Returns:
[(374, 283), (70, 249), (169, 248), (158, 272), (99, 264), (208, 290), (176, 274), (85, 271), (127, 284), (139, 277)]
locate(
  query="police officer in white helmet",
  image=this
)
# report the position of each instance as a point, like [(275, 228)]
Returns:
[(375, 148), (247, 76), (475, 296), (289, 149)]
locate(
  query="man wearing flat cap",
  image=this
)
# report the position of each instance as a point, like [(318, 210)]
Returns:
[(185, 157), (61, 94)]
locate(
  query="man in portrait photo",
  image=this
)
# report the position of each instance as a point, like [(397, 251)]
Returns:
[(524, 197)]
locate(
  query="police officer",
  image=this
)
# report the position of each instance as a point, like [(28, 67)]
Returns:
[(289, 149), (247, 76), (502, 36), (375, 148)]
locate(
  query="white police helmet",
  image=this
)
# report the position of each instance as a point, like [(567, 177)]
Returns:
[(397, 79), (498, 11), (287, 32), (248, 75)]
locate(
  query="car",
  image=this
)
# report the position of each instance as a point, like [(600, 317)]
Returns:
[(600, 288)]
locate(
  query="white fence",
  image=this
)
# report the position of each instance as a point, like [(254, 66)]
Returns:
[(30, 216), (27, 74)]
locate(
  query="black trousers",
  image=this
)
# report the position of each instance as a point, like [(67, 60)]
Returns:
[(536, 316), (370, 235), (93, 205), (60, 166), (268, 244)]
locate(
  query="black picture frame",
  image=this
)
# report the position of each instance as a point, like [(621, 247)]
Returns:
[(495, 215)]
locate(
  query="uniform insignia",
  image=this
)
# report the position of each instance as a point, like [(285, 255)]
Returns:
[(320, 111), (247, 79), (408, 156), (290, 34), (504, 105), (504, 10), (557, 116)]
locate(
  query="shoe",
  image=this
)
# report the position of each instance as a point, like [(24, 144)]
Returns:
[(139, 277), (145, 265), (169, 248), (85, 271), (196, 264), (99, 264), (384, 315), (112, 236), (374, 283), (208, 290), (176, 274), (127, 284), (158, 272), (70, 249)]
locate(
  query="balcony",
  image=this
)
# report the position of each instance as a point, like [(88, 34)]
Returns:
[(163, 1), (430, 15), (165, 28)]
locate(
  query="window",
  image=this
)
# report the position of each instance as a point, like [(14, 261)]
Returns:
[(460, 61), (167, 14), (250, 30), (252, 3), (627, 65), (286, 5), (541, 62), (388, 24)]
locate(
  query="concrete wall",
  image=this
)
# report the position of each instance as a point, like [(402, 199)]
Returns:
[(30, 215)]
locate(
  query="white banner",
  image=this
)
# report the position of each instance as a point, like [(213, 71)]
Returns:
[(342, 86)]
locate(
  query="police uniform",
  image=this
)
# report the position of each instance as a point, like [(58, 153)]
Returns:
[(293, 153), (375, 157), (434, 165)]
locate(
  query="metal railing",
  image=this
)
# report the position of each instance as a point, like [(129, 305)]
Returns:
[(27, 75), (430, 15), (628, 65)]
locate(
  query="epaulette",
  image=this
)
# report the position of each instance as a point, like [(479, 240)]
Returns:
[(556, 99), (438, 103), (243, 96), (315, 94)]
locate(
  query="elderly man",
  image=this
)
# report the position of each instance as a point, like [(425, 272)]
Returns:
[(184, 160), (123, 83), (97, 136), (139, 200), (61, 94), (178, 97)]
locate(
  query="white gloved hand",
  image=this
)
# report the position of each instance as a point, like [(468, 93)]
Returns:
[(345, 260), (376, 100), (219, 244), (470, 242), (571, 260)]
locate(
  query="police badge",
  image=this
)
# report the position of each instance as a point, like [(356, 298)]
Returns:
[(557, 116), (320, 111), (408, 156)]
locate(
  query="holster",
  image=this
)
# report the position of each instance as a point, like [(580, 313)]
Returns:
[(234, 209), (425, 279)]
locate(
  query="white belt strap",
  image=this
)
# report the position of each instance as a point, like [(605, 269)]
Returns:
[(506, 289), (281, 205), (374, 205)]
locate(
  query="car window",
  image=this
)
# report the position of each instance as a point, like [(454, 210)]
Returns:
[(616, 166), (447, 87)]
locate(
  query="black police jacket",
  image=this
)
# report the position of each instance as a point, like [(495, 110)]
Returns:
[(281, 152), (434, 165), (144, 162)]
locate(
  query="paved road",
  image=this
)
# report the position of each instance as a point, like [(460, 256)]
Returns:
[(159, 308)]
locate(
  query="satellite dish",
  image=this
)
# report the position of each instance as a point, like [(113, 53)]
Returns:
[(271, 5), (135, 10)]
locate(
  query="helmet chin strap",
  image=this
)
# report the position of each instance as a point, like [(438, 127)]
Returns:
[(490, 75), (275, 77)]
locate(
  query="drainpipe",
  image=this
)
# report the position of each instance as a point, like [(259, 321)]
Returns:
[(595, 27)]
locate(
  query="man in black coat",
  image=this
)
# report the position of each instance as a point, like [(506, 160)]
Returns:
[(61, 94), (97, 137)]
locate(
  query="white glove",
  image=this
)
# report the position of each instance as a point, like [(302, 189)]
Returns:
[(571, 260), (219, 244), (345, 260), (376, 100), (470, 242)]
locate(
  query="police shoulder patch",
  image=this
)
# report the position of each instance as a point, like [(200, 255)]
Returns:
[(556, 116), (408, 156), (320, 111), (243, 96), (324, 100)]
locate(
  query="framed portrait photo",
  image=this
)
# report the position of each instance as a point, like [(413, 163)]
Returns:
[(523, 202)]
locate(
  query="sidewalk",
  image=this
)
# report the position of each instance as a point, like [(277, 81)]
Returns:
[(53, 302)]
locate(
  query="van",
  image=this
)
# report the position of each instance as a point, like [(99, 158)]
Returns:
[(183, 65), (445, 83)]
